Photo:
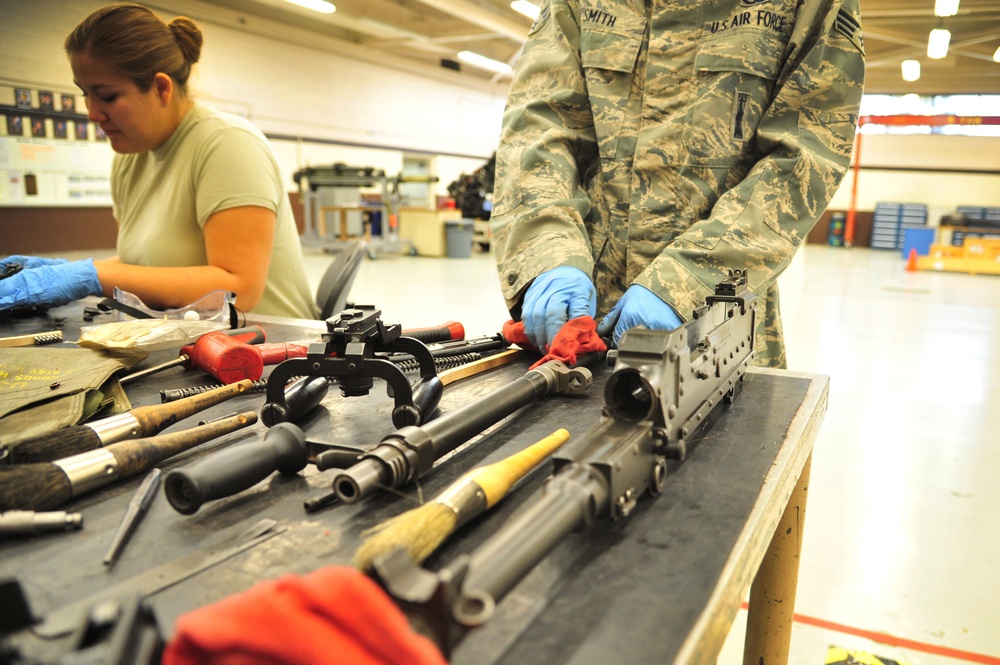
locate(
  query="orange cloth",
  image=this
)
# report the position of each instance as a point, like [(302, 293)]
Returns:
[(577, 337), (334, 616)]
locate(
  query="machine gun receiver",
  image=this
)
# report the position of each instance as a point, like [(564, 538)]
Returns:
[(664, 385)]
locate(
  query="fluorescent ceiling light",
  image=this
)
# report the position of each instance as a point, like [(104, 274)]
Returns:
[(911, 70), (937, 43), (320, 6), (945, 7), (529, 9), (482, 61), (996, 55)]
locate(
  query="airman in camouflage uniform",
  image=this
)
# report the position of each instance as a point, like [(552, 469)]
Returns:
[(662, 143)]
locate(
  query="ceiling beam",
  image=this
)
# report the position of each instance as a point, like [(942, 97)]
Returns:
[(201, 10), (919, 48), (473, 13)]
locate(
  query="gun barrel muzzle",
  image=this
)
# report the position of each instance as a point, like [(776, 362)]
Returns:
[(362, 479)]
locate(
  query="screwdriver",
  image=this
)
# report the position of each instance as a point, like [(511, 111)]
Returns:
[(249, 335), (137, 508)]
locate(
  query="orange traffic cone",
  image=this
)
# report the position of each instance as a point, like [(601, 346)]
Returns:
[(911, 260)]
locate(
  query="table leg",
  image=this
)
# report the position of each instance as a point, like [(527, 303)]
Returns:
[(772, 594)]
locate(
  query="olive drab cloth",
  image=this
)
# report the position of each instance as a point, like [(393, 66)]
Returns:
[(45, 389), (663, 143)]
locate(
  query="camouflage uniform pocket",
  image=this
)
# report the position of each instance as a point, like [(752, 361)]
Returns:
[(609, 58), (736, 73)]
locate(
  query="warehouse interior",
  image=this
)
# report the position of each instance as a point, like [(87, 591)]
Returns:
[(895, 295)]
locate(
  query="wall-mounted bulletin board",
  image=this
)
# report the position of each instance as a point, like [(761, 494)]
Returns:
[(50, 154)]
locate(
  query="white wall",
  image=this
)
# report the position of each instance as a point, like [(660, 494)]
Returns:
[(292, 84), (335, 108), (942, 191)]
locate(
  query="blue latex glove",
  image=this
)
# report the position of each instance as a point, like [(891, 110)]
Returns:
[(638, 307), (552, 299), (27, 262), (50, 285)]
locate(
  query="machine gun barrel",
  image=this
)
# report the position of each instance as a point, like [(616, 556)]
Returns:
[(411, 451), (570, 501), (464, 595), (664, 385)]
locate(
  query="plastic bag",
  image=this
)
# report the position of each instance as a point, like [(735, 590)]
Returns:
[(214, 306), (139, 336)]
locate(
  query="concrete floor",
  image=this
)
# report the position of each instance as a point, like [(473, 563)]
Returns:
[(902, 534), (902, 540), (902, 529)]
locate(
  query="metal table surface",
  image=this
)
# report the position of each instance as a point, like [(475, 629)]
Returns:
[(662, 586)]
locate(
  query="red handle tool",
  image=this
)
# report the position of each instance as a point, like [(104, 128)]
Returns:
[(446, 332), (248, 335), (229, 360)]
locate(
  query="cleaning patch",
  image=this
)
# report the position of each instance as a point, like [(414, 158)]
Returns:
[(840, 656)]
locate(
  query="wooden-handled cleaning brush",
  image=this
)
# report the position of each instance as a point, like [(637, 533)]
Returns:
[(47, 485), (421, 530), (141, 421)]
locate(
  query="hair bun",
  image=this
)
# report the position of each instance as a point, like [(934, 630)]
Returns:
[(188, 37)]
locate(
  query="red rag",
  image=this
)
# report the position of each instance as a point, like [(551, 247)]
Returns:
[(334, 616), (577, 337)]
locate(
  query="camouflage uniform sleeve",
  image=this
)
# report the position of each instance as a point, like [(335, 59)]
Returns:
[(805, 140), (539, 199)]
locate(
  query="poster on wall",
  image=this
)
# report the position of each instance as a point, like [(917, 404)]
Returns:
[(81, 130), (15, 187), (68, 104), (60, 172), (59, 129), (15, 125), (99, 133), (22, 98), (38, 127), (46, 101)]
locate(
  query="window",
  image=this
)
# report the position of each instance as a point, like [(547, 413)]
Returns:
[(958, 105)]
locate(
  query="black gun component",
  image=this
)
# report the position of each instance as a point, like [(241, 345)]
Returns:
[(348, 353), (411, 451), (446, 357), (113, 631), (302, 395), (457, 347), (283, 449), (236, 468), (11, 269), (174, 394), (440, 364), (664, 385)]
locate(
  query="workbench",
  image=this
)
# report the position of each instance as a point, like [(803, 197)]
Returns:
[(662, 586)]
